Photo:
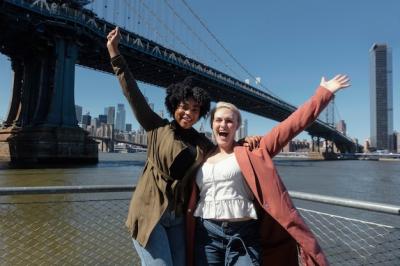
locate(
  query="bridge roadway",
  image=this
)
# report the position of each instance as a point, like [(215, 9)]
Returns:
[(22, 23)]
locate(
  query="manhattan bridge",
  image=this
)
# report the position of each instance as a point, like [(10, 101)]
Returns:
[(45, 39)]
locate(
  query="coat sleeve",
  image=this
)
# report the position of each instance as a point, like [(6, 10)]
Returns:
[(280, 135), (146, 117)]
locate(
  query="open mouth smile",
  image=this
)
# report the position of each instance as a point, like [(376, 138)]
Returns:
[(223, 134)]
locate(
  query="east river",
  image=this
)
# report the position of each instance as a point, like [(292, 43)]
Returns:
[(74, 229), (375, 181)]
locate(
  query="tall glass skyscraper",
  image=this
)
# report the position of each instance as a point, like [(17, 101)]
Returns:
[(120, 120), (110, 113), (381, 97), (78, 111)]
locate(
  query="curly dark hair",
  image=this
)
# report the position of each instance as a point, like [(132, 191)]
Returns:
[(183, 91)]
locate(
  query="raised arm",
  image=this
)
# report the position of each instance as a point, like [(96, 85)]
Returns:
[(281, 134), (146, 117)]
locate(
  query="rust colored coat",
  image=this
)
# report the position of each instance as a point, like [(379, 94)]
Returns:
[(285, 235)]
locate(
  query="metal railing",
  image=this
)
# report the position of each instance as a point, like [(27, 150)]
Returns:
[(78, 225)]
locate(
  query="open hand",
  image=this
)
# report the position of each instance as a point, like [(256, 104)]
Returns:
[(113, 38), (338, 82)]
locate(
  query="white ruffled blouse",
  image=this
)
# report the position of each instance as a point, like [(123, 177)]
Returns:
[(224, 194)]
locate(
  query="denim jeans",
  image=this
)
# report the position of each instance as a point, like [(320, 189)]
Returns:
[(227, 243), (166, 245)]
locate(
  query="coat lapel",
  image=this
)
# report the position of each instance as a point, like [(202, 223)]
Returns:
[(245, 165)]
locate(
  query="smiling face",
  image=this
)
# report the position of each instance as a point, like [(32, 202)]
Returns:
[(187, 113), (224, 125)]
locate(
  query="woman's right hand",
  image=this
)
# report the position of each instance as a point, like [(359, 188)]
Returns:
[(113, 38)]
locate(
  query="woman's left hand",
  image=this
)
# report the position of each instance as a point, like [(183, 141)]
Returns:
[(335, 84), (113, 39)]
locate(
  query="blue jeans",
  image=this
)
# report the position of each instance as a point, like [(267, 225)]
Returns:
[(227, 243), (166, 245)]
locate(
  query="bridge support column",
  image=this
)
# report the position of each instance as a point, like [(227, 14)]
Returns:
[(315, 141), (41, 124), (15, 104), (312, 144), (106, 145), (329, 153)]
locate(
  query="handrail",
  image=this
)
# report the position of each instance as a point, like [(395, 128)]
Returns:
[(4, 191), (345, 202)]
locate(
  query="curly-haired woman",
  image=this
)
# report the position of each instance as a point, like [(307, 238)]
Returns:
[(175, 151)]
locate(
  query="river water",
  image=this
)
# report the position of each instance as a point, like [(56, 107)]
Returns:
[(376, 181), (33, 227)]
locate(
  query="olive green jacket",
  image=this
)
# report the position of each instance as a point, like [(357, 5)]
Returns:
[(156, 189)]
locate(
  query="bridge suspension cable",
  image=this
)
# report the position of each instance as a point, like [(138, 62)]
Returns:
[(176, 14), (337, 111), (164, 25), (223, 47), (142, 19), (170, 32)]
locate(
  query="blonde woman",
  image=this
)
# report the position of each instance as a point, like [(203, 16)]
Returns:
[(240, 212)]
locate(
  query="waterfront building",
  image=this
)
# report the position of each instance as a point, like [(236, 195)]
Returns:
[(141, 138), (102, 119), (95, 123), (242, 130), (367, 146), (86, 119), (78, 112), (381, 97), (297, 145), (120, 119), (358, 148), (110, 113)]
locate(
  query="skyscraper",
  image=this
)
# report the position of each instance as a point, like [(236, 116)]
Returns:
[(120, 120), (110, 113), (86, 119), (381, 97), (78, 112), (242, 130), (103, 119)]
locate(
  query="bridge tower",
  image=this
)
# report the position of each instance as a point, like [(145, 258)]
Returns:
[(41, 124), (330, 113)]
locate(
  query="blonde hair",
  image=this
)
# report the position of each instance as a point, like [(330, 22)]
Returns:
[(229, 106)]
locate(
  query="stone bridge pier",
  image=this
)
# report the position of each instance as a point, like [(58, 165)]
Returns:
[(41, 123)]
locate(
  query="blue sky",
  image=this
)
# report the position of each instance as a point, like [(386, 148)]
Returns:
[(289, 44)]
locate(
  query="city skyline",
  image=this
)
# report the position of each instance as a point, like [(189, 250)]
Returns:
[(290, 50)]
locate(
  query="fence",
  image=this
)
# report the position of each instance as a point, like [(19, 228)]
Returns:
[(62, 226)]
